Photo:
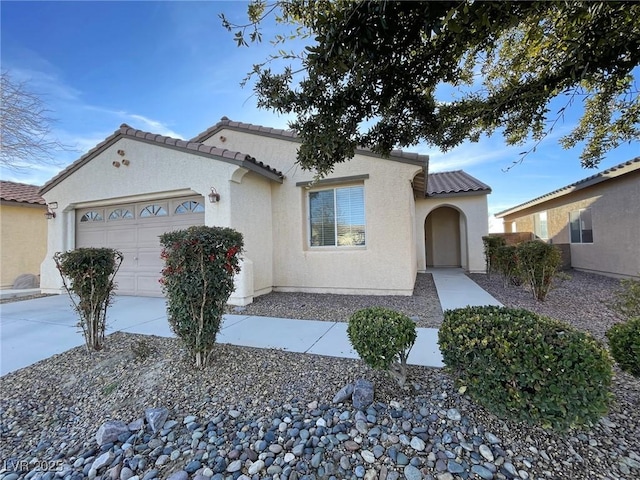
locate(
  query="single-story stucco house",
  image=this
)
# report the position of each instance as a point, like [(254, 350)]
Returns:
[(23, 231), (598, 217), (367, 228)]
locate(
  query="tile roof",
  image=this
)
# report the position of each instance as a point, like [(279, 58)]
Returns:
[(197, 148), (613, 172), (225, 122), (20, 192), (454, 183)]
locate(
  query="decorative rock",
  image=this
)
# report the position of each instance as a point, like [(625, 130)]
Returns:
[(453, 414), (156, 418), (351, 445), (359, 471), (417, 444), (189, 419), (444, 476), (102, 461), (486, 453), (289, 457), (126, 473), (234, 413), (234, 466), (367, 456), (454, 467), (483, 472), (412, 473), (344, 394), (362, 394), (136, 425), (26, 280), (371, 474), (181, 475), (256, 467), (275, 448), (491, 438), (110, 430)]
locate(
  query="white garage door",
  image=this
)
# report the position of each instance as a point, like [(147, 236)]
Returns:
[(134, 230)]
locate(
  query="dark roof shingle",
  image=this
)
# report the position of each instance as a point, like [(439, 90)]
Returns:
[(20, 192), (457, 182), (615, 171), (125, 131), (225, 122)]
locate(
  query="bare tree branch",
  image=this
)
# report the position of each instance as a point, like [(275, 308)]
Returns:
[(25, 127)]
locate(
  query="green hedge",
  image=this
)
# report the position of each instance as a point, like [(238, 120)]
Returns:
[(200, 263), (624, 340), (527, 367), (383, 339)]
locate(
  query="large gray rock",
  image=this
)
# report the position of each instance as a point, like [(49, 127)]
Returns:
[(156, 418), (362, 394), (26, 280), (110, 430), (344, 394)]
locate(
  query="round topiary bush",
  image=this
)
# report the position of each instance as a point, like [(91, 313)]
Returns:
[(624, 340), (527, 367), (383, 338)]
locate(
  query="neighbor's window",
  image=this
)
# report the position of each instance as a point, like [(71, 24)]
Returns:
[(540, 225), (336, 217), (581, 227)]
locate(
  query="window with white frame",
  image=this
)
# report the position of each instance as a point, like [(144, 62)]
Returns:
[(540, 225), (581, 226), (336, 217)]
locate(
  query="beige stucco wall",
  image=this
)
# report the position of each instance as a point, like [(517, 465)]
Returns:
[(474, 224), (154, 172), (615, 211), (23, 238), (386, 265)]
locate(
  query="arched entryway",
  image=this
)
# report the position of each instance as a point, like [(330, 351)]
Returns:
[(443, 231)]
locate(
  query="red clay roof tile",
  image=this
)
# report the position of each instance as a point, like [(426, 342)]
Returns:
[(20, 192)]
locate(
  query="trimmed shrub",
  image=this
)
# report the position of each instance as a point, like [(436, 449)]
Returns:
[(491, 244), (624, 340), (538, 264), (197, 279), (383, 338), (627, 298), (527, 367), (506, 260), (90, 273)]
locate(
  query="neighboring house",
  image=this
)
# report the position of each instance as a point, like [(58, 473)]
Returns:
[(599, 217), (367, 228), (23, 231)]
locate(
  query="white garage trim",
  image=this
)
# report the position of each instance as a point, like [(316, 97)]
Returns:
[(134, 230)]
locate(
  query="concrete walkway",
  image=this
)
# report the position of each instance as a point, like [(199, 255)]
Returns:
[(33, 330)]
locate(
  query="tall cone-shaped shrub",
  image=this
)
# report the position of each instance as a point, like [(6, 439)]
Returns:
[(197, 279), (88, 277)]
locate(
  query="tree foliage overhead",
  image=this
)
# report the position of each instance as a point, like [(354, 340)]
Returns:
[(372, 72)]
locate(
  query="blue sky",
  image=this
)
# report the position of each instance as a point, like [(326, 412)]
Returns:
[(170, 68)]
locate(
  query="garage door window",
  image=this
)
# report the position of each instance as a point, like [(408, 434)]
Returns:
[(92, 216), (189, 207), (120, 214), (153, 211)]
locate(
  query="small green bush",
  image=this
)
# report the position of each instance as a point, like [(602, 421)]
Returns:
[(538, 264), (491, 244), (627, 298), (506, 260), (527, 367), (383, 338), (197, 279), (624, 340), (90, 273)]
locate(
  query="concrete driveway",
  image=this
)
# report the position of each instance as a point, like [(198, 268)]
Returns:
[(32, 330)]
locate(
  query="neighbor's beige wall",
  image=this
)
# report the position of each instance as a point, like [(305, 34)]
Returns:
[(386, 265), (24, 240), (615, 211), (474, 224)]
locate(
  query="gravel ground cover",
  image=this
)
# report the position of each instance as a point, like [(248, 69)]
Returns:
[(258, 414), (423, 306)]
